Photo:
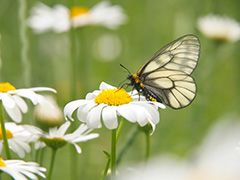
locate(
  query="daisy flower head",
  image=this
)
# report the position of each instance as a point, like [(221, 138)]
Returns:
[(57, 137), (102, 14), (110, 102), (18, 139), (48, 113), (219, 28), (19, 169), (60, 18), (13, 103)]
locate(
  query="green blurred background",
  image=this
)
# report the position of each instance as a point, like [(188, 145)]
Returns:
[(151, 25)]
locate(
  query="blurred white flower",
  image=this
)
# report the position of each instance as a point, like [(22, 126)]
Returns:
[(219, 28), (60, 18), (57, 138), (43, 18), (102, 14), (107, 47), (21, 170), (48, 112), (18, 139), (108, 103), (12, 99), (216, 159)]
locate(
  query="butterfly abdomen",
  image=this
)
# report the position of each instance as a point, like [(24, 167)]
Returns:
[(150, 95), (139, 86)]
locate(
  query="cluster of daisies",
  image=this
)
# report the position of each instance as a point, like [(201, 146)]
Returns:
[(99, 107)]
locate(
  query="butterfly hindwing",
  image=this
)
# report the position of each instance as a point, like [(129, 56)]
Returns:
[(167, 73)]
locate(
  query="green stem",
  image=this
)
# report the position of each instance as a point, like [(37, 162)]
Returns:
[(128, 143), (119, 129), (24, 43), (85, 72), (4, 134), (147, 146), (73, 58), (107, 165), (113, 154), (52, 163)]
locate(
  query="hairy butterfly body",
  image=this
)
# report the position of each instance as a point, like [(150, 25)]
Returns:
[(165, 77)]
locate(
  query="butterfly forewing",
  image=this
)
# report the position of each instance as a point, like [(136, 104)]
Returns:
[(167, 73)]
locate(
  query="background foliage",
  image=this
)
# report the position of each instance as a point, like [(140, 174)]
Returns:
[(151, 25)]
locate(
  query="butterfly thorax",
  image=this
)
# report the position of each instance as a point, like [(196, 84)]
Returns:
[(135, 82), (139, 86)]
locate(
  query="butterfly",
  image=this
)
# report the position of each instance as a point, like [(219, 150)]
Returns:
[(166, 76)]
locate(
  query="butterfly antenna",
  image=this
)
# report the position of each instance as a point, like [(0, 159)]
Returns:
[(125, 68)]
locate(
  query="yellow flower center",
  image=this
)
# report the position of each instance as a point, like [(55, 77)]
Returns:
[(5, 87), (78, 11), (113, 97), (2, 164), (9, 134)]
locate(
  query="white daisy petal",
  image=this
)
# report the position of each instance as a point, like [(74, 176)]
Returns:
[(27, 93), (63, 128), (20, 170), (71, 107), (109, 117), (7, 100), (82, 112), (14, 113), (128, 112), (153, 127), (91, 96), (105, 86), (86, 137), (53, 132), (153, 114), (43, 89), (15, 147), (142, 116), (94, 117), (21, 103)]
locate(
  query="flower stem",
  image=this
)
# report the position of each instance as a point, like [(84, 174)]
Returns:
[(147, 146), (52, 163), (24, 43), (119, 129), (73, 58), (107, 165), (128, 143), (113, 154), (5, 140)]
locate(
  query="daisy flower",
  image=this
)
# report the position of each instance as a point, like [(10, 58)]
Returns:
[(219, 28), (19, 169), (57, 138), (48, 113), (102, 14), (108, 103), (18, 139), (61, 19), (12, 99)]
